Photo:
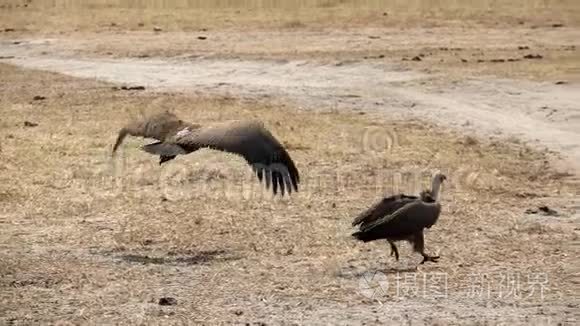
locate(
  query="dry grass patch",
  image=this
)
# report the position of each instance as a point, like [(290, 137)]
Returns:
[(473, 33), (86, 238), (66, 16)]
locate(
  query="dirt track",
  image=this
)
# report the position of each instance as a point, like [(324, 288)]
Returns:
[(242, 284), (544, 114)]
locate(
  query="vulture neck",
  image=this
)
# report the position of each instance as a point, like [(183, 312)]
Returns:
[(435, 187)]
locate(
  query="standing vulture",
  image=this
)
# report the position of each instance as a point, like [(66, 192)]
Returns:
[(402, 217), (250, 139)]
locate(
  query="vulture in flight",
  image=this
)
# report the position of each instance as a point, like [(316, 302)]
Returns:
[(249, 139), (402, 217)]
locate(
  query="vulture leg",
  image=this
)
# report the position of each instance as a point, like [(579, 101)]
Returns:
[(419, 246), (394, 251), (163, 158), (429, 258)]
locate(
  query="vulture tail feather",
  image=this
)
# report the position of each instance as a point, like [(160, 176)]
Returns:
[(364, 236), (164, 149)]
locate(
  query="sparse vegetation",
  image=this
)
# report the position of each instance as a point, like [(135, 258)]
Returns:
[(179, 15), (86, 238), (112, 237)]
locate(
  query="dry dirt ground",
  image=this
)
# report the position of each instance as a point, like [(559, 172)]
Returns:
[(86, 238)]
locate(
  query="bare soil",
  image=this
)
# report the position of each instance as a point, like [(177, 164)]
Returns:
[(91, 239), (88, 239)]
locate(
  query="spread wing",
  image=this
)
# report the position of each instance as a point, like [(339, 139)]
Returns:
[(159, 126), (409, 219), (386, 206), (250, 139)]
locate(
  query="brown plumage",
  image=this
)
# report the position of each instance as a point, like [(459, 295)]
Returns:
[(402, 217), (386, 206), (250, 139)]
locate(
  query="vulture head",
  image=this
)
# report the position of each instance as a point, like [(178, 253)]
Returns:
[(438, 179), (440, 176)]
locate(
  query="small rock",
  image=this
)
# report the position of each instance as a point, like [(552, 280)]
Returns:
[(463, 60), (167, 301), (416, 58), (141, 24), (470, 141), (548, 211), (527, 195), (130, 88), (6, 57), (480, 60), (202, 37), (557, 25), (513, 60), (16, 42), (113, 24), (39, 98), (385, 13), (157, 29), (238, 312), (497, 60), (30, 124), (523, 47), (7, 30), (533, 56), (561, 82), (545, 210), (147, 242)]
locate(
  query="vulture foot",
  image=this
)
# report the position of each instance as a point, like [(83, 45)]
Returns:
[(427, 258), (394, 251)]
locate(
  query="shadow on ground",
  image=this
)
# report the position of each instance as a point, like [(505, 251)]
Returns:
[(192, 258)]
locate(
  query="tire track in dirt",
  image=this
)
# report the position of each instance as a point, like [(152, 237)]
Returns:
[(542, 113)]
